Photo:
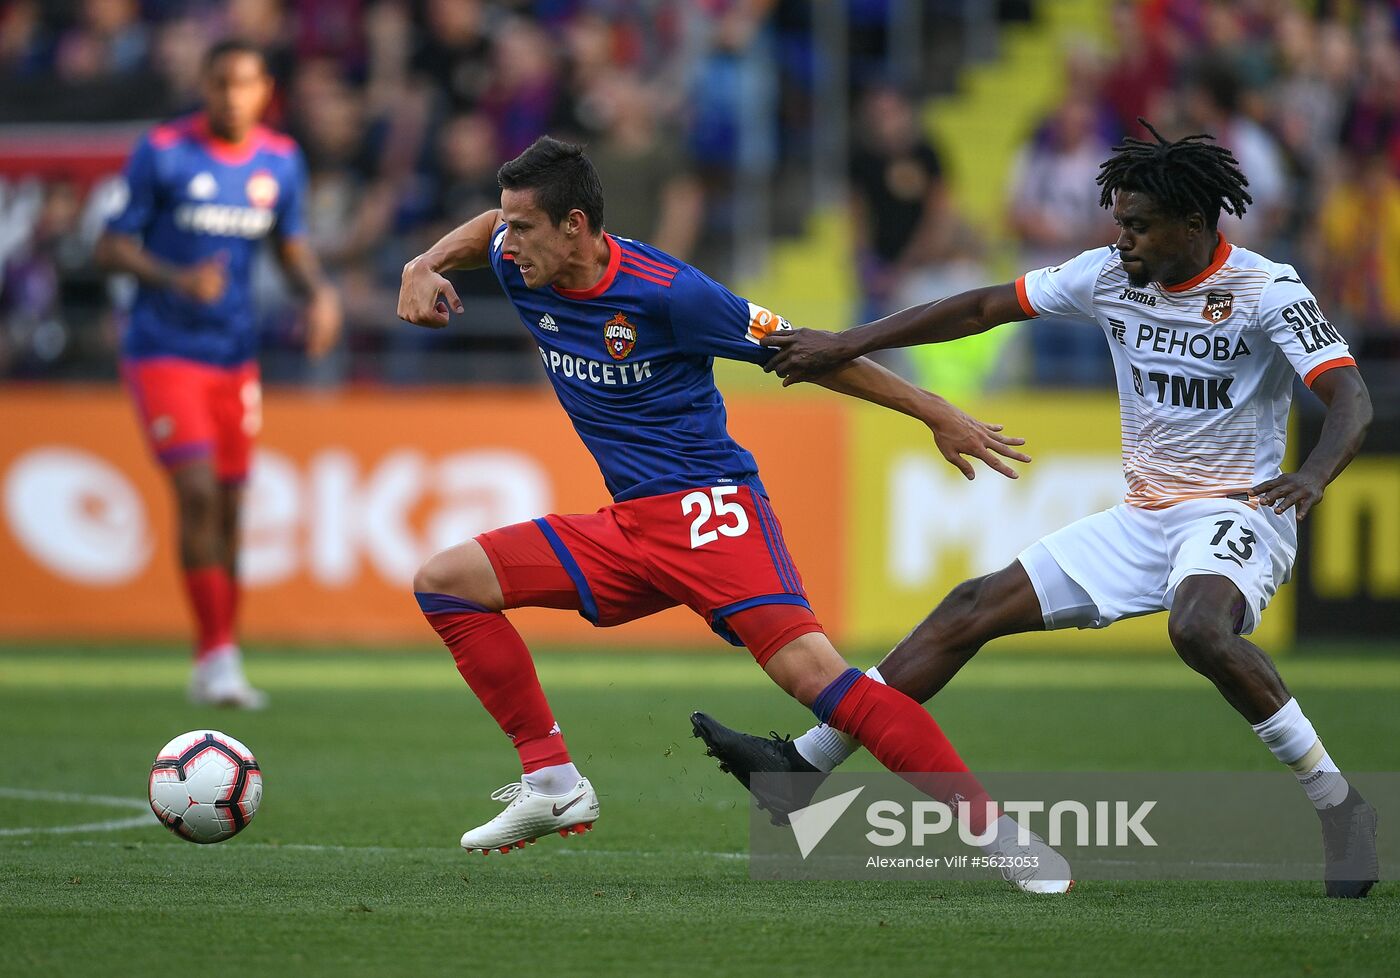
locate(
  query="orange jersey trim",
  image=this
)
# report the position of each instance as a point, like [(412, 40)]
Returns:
[(1322, 368), (1024, 299), (1155, 501), (1217, 260)]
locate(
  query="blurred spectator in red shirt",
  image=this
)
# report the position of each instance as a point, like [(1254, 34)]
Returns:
[(1141, 71)]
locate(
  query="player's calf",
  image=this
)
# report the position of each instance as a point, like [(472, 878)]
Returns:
[(1203, 627), (945, 641), (973, 613), (199, 514)]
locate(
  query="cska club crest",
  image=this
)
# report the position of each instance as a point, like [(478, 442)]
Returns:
[(619, 336), (262, 189), (1218, 306)]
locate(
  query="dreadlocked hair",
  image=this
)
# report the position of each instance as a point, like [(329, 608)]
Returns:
[(1184, 177)]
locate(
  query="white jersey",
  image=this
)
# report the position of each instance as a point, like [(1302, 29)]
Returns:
[(1205, 368)]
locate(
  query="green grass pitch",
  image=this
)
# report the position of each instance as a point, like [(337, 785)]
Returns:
[(374, 764)]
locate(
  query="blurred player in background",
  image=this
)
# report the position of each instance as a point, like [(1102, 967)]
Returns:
[(203, 193), (628, 336), (1206, 340)]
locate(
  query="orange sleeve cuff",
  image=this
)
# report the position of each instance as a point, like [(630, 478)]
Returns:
[(1024, 299), (1322, 368)]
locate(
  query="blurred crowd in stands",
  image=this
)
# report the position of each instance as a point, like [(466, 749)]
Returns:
[(1307, 95), (405, 108)]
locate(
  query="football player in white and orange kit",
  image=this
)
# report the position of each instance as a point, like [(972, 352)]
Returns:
[(1206, 339)]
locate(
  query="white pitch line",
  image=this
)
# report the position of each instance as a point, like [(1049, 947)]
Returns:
[(27, 794), (448, 850), (583, 853), (618, 853), (113, 825), (1208, 863), (109, 825)]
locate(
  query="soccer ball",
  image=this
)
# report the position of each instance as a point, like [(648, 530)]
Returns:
[(205, 786)]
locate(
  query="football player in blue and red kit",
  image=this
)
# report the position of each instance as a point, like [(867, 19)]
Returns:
[(203, 193), (627, 335)]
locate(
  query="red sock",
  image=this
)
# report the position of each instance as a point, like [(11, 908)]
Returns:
[(211, 594), (904, 738), (235, 591), (493, 659)]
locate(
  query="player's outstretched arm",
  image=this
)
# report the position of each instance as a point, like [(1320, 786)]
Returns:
[(805, 353), (956, 433), (1348, 416), (426, 298)]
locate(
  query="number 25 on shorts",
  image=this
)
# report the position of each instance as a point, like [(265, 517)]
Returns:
[(710, 504)]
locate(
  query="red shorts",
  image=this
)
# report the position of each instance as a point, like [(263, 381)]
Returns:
[(719, 551), (191, 410)]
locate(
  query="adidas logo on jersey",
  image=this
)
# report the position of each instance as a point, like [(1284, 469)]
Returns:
[(203, 186), (547, 323)]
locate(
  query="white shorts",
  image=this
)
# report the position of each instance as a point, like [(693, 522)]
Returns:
[(1127, 561)]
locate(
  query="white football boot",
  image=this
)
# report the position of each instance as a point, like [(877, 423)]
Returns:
[(531, 814), (219, 681), (1035, 867)]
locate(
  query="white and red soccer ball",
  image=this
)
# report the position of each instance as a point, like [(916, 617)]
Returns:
[(205, 786)]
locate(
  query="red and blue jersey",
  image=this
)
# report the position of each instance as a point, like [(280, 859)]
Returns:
[(632, 359), (192, 197)]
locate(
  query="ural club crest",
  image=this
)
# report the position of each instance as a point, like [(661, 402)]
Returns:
[(1218, 306), (619, 336), (262, 189)]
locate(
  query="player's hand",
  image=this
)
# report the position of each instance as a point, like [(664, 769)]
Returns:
[(425, 297), (203, 281), (1296, 489), (323, 322), (958, 433), (804, 353)]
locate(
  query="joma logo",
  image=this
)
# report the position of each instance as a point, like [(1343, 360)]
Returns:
[(1134, 295)]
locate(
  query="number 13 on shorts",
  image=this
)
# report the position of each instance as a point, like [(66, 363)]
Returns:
[(715, 513)]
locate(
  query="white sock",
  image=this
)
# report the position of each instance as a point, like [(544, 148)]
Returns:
[(825, 747), (555, 779), (1291, 738)]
